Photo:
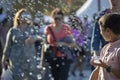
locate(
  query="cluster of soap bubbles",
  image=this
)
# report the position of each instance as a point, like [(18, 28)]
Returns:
[(77, 29), (44, 6)]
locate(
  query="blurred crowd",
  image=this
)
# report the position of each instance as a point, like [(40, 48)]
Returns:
[(24, 38), (81, 29)]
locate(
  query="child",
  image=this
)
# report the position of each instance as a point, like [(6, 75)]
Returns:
[(109, 66)]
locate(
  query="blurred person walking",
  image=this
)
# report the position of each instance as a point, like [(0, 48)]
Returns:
[(40, 26), (19, 55), (61, 36), (78, 34)]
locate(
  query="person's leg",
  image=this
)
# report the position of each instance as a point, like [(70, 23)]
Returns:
[(64, 70), (80, 64), (74, 67), (46, 74), (55, 73), (55, 70)]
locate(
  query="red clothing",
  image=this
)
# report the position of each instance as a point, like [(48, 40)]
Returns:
[(65, 31)]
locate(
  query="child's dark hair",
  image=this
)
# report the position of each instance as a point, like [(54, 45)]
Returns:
[(111, 21)]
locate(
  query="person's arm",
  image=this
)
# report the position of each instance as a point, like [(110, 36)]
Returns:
[(67, 41), (42, 56), (7, 49), (108, 68), (112, 70), (37, 35), (96, 53), (43, 48), (68, 44), (94, 74), (34, 37)]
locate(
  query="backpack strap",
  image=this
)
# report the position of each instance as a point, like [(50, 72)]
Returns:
[(51, 31)]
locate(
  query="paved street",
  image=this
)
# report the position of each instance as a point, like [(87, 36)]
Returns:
[(86, 71), (77, 77)]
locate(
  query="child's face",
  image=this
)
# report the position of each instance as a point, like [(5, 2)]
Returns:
[(105, 33)]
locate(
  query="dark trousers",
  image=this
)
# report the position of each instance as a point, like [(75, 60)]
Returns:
[(60, 69)]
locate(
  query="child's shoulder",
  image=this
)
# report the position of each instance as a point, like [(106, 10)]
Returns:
[(105, 47)]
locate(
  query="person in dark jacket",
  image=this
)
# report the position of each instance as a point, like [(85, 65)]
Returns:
[(97, 41)]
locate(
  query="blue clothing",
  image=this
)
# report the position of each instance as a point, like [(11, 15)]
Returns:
[(23, 59), (97, 40)]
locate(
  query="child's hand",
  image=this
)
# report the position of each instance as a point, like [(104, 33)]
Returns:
[(101, 64), (92, 62)]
